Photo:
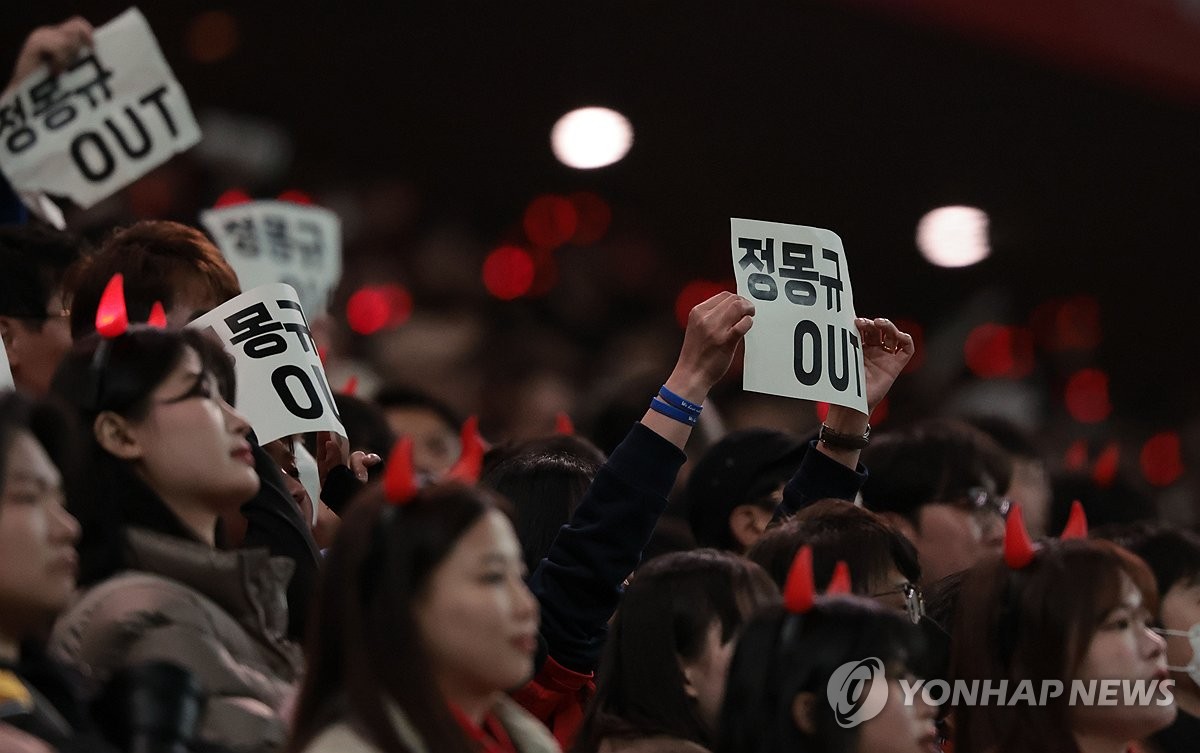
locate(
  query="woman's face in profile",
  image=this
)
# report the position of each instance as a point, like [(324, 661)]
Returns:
[(38, 564)]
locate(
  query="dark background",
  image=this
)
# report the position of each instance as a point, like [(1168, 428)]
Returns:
[(818, 113)]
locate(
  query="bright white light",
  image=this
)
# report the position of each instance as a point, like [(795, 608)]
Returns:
[(591, 137), (954, 236)]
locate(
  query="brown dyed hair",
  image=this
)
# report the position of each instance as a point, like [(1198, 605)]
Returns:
[(364, 647), (159, 260), (838, 530), (1035, 624)]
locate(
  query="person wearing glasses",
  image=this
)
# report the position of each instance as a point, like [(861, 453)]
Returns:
[(939, 483), (1173, 556), (33, 315), (883, 564), (167, 456)]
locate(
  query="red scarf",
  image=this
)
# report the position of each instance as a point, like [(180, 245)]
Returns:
[(490, 737)]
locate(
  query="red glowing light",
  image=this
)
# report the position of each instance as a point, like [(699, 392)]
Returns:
[(997, 350), (296, 196), (881, 412), (1076, 457), (1104, 472), (111, 317), (232, 197), (1160, 459), (693, 294), (594, 216), (918, 335), (158, 316), (350, 387), (822, 410), (550, 221), (508, 272), (376, 307), (1087, 396)]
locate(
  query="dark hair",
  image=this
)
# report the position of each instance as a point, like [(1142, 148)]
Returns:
[(364, 646), (664, 616), (781, 655), (1173, 555), (50, 424), (398, 396), (365, 424), (545, 479), (109, 496), (838, 530), (935, 461), (1034, 624), (34, 260), (1008, 435), (744, 468), (159, 260)]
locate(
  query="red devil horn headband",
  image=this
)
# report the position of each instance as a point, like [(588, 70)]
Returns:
[(1018, 547), (1077, 527), (111, 318), (399, 481), (799, 592), (469, 465)]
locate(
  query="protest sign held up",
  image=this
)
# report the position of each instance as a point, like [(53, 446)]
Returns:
[(281, 385), (804, 343), (113, 115), (279, 241)]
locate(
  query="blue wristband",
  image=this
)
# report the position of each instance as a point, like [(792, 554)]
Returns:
[(672, 412), (675, 401)]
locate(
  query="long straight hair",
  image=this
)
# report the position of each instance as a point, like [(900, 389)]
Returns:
[(365, 651), (664, 618), (106, 495), (1035, 624)]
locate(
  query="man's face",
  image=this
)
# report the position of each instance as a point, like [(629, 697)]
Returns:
[(36, 346)]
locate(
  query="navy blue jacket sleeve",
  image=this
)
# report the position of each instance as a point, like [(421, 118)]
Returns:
[(819, 477), (579, 582)]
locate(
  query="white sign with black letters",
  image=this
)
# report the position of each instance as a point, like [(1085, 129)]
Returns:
[(113, 115), (281, 384), (803, 343), (6, 378), (280, 241)]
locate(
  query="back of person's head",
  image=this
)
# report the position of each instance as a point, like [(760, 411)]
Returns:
[(34, 259), (1172, 554), (783, 665), (839, 531), (1115, 502), (937, 460), (545, 479), (366, 650), (161, 261), (1037, 623), (664, 623), (365, 425), (32, 304), (745, 468), (107, 381)]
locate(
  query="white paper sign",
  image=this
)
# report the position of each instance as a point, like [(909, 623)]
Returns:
[(281, 385), (6, 379), (113, 115), (279, 241), (804, 343)]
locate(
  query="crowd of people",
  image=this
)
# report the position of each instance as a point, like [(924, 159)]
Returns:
[(168, 583)]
